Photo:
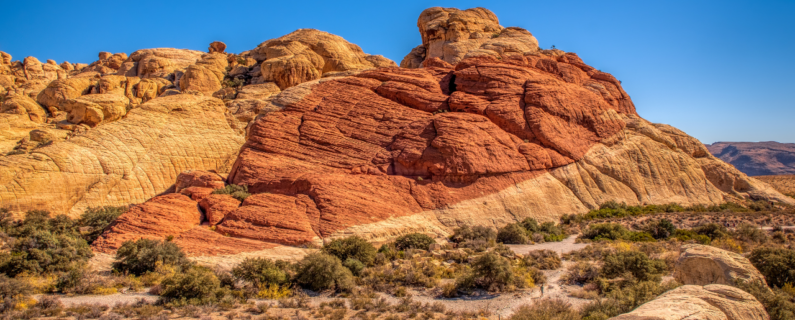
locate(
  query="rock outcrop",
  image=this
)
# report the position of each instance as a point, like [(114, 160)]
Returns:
[(757, 158), (452, 35), (478, 127), (126, 161), (703, 265), (712, 302), (308, 54)]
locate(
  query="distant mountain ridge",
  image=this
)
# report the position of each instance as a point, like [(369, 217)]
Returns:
[(757, 158)]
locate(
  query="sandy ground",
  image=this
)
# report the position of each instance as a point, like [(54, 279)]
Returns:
[(562, 247), (500, 306), (108, 300)]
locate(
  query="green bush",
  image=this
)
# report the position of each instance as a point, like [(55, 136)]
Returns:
[(97, 219), (635, 263), (465, 233), (143, 255), (580, 273), (198, 283), (776, 264), (778, 303), (750, 233), (261, 271), (10, 287), (495, 273), (236, 191), (546, 309), (610, 231), (414, 241), (321, 271), (531, 225), (614, 231), (660, 229), (354, 265), (624, 299), (512, 233), (761, 205), (542, 259), (351, 248), (42, 251), (712, 230), (687, 235)]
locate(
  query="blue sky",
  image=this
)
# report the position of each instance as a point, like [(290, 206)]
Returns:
[(719, 70)]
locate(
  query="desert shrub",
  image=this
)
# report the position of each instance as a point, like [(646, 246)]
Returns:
[(420, 272), (777, 302), (354, 265), (321, 271), (11, 287), (609, 231), (261, 272), (776, 264), (614, 231), (477, 245), (42, 251), (711, 230), (197, 283), (727, 207), (143, 255), (638, 264), (580, 273), (492, 272), (552, 232), (531, 225), (660, 229), (688, 235), (476, 233), (351, 248), (546, 309), (623, 299), (512, 233), (542, 259), (761, 205), (96, 219), (236, 191), (750, 233), (414, 241)]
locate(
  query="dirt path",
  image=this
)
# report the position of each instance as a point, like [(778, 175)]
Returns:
[(108, 300), (561, 247)]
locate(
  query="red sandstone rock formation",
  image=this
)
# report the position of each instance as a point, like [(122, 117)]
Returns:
[(480, 127)]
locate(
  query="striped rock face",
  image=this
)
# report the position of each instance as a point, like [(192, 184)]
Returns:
[(488, 141), (478, 127)]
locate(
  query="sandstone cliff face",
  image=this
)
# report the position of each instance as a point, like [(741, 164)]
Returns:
[(479, 127), (122, 162), (718, 302)]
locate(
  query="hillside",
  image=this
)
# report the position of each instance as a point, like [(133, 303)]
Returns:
[(320, 140), (757, 158)]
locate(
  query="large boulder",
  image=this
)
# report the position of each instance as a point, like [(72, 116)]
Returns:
[(308, 54), (703, 265), (24, 105), (452, 35), (94, 109), (158, 63), (60, 90), (206, 75), (712, 302)]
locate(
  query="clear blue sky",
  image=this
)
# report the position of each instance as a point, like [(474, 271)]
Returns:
[(719, 70)]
